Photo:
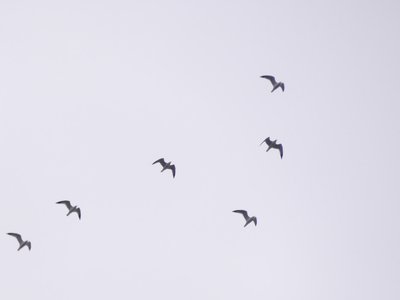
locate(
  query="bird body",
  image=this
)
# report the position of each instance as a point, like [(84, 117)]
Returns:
[(274, 145), (70, 208), (275, 84), (166, 166), (21, 242), (246, 217)]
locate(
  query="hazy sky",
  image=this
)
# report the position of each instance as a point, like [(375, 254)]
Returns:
[(92, 92)]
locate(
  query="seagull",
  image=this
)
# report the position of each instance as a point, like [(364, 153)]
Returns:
[(273, 144), (20, 241), (166, 166), (247, 218), (274, 83), (71, 208)]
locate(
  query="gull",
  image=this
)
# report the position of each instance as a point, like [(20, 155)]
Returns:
[(273, 144), (166, 166), (274, 82), (71, 208), (20, 241), (247, 218)]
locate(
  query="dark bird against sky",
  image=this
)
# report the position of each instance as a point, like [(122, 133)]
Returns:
[(246, 217), (166, 166), (275, 84), (273, 144), (71, 208), (20, 241)]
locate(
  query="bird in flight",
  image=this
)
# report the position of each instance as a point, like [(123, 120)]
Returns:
[(166, 166), (274, 82), (246, 217), (71, 208), (273, 144), (20, 241)]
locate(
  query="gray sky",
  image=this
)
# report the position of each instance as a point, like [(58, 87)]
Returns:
[(92, 92)]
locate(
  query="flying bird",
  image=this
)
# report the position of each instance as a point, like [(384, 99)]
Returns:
[(20, 241), (246, 217), (166, 166), (274, 82), (71, 208), (273, 144)]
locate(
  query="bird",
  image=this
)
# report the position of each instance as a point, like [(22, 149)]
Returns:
[(20, 241), (273, 144), (166, 166), (71, 208), (247, 218), (274, 82)]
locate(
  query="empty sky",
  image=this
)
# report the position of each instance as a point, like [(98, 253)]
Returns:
[(92, 92)]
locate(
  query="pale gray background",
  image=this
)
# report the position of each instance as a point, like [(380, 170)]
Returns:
[(92, 92)]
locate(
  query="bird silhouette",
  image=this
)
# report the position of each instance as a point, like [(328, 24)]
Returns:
[(246, 217), (275, 84), (21, 242), (166, 166), (273, 144), (71, 208)]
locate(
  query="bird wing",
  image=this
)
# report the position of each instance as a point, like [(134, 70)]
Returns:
[(17, 236), (283, 87), (270, 78), (29, 245), (161, 161), (255, 221), (267, 141), (243, 212), (280, 148), (78, 211), (66, 202), (172, 167)]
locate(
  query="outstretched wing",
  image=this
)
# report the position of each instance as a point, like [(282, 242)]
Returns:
[(66, 202), (267, 141), (280, 148), (29, 245), (161, 161), (172, 167), (17, 236), (270, 78), (78, 211), (243, 212)]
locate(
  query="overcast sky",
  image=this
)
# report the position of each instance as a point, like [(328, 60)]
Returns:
[(92, 92)]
